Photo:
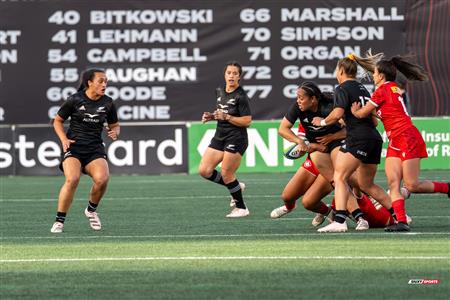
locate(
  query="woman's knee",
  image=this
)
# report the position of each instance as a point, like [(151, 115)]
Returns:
[(72, 181), (205, 171), (412, 186), (101, 181)]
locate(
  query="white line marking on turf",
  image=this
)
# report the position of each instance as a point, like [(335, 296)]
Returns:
[(224, 258), (193, 236), (157, 198), (413, 217), (141, 198)]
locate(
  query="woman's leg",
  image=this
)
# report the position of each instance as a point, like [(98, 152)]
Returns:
[(72, 173), (411, 170), (207, 168), (99, 172)]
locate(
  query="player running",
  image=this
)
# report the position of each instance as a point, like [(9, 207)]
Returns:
[(83, 149), (230, 140)]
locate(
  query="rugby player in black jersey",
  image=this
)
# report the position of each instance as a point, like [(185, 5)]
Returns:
[(230, 141), (362, 148), (83, 150), (323, 147)]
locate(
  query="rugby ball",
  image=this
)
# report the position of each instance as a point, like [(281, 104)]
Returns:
[(293, 151)]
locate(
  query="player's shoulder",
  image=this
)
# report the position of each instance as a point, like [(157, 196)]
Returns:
[(75, 97)]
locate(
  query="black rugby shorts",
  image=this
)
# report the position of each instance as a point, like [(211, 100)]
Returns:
[(84, 155), (367, 151), (230, 144)]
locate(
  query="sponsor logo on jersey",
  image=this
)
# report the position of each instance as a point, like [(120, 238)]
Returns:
[(90, 118), (222, 106), (82, 107), (305, 120), (218, 99)]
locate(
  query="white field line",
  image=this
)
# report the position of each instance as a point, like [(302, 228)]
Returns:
[(159, 198), (195, 236), (224, 258), (140, 198), (413, 217)]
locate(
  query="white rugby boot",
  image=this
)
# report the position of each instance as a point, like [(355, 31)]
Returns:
[(94, 220), (362, 224), (238, 213), (334, 227), (57, 227), (280, 211)]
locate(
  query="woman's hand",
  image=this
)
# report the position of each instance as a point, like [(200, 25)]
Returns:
[(355, 107), (221, 115), (66, 144), (207, 116)]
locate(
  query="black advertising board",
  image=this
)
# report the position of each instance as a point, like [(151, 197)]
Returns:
[(164, 59)]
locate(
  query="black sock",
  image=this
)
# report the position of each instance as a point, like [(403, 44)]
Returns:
[(357, 213), (92, 207), (216, 177), (391, 210), (60, 217), (340, 216), (235, 190)]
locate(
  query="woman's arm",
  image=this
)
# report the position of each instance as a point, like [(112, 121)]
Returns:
[(58, 125), (244, 121), (362, 112), (285, 131), (114, 131)]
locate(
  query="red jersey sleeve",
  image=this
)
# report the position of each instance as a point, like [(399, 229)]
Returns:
[(378, 97)]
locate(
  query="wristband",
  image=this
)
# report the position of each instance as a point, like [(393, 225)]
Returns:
[(323, 123)]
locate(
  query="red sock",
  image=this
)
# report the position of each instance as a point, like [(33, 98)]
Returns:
[(290, 205), (440, 187), (333, 204), (323, 209), (399, 209)]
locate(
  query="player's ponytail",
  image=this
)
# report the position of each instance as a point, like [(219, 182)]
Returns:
[(86, 76), (410, 70), (369, 61)]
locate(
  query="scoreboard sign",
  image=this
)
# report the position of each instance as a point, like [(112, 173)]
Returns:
[(164, 59)]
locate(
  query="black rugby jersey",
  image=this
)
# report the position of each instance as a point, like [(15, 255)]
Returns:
[(87, 118), (345, 95), (235, 104), (312, 132)]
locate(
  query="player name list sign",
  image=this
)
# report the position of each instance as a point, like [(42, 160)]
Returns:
[(164, 59)]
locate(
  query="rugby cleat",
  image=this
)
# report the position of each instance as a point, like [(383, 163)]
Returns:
[(362, 224), (320, 218), (279, 212), (334, 227), (57, 227), (403, 191), (408, 220), (397, 227), (238, 213), (94, 220)]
